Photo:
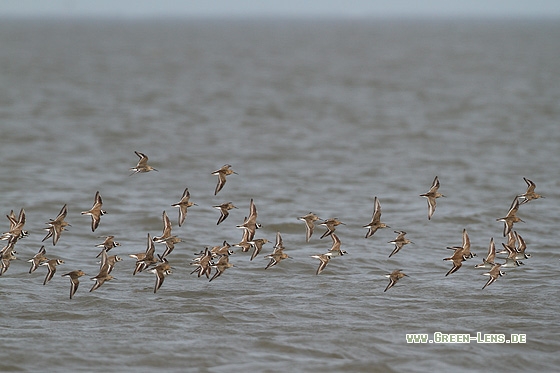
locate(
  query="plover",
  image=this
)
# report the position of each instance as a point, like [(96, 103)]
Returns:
[(95, 212), (494, 273)]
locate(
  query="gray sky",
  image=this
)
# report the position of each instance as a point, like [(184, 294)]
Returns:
[(329, 8)]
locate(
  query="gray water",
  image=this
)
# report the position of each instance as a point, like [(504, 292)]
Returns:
[(313, 115)]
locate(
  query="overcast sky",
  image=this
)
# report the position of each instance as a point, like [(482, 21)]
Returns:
[(306, 8)]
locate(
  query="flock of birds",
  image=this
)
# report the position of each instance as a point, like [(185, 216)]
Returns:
[(213, 262)]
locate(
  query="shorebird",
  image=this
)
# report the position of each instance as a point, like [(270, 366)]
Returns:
[(324, 258), (250, 224), (494, 273), (95, 212), (465, 247), (74, 280), (101, 277), (57, 225), (309, 220), (161, 270), (170, 245), (278, 254), (183, 205), (244, 243), (530, 194), (457, 259), (431, 195), (513, 257), (203, 263), (375, 222), (331, 226), (222, 264), (511, 216), (16, 227), (109, 261), (217, 251), (222, 173), (146, 259), (488, 262), (257, 246), (394, 276), (399, 242), (51, 266), (38, 259), (108, 244), (224, 210), (335, 248), (521, 254), (166, 233), (142, 165), (6, 256)]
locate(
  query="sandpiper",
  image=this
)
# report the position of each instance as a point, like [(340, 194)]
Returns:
[(244, 243), (494, 273), (57, 225), (331, 226), (142, 165), (38, 259), (203, 263), (51, 266), (309, 220), (74, 280), (170, 245), (95, 212), (457, 259), (278, 254), (161, 270), (101, 277), (221, 265), (511, 216), (488, 262), (465, 247), (108, 244), (146, 259), (530, 194), (257, 246), (375, 222), (394, 276), (222, 173), (224, 210), (431, 195), (399, 242), (166, 233), (335, 248), (324, 258), (183, 205)]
